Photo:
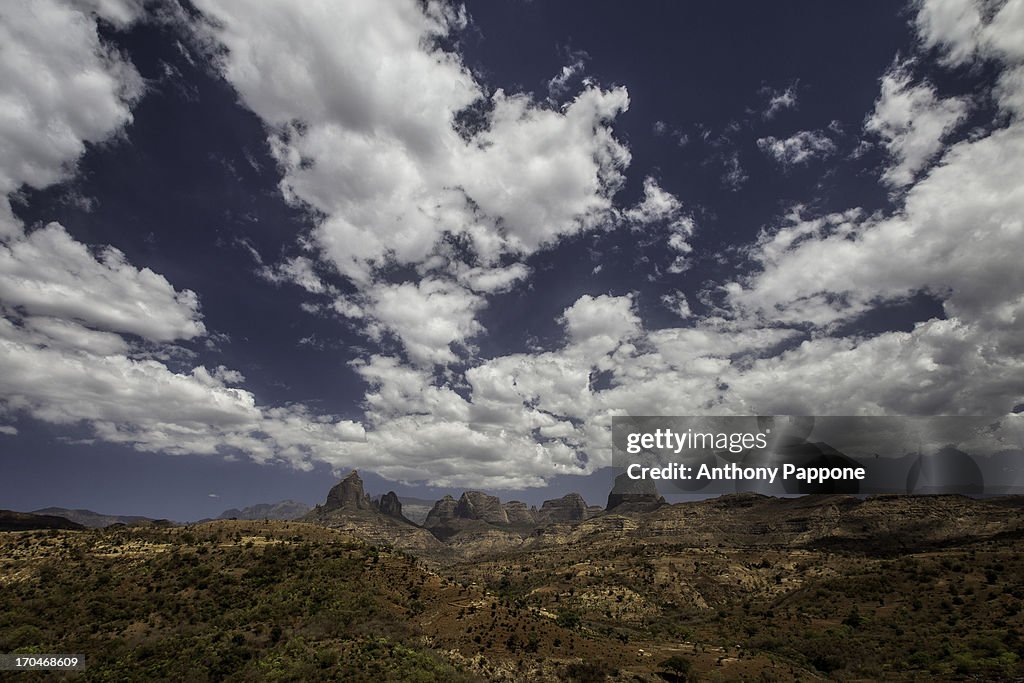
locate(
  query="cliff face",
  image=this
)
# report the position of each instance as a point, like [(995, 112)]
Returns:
[(569, 508), (518, 513), (348, 494), (390, 505), (478, 505), (442, 513)]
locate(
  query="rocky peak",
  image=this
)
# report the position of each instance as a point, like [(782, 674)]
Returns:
[(442, 512), (518, 513), (479, 505), (390, 505), (569, 508), (348, 494)]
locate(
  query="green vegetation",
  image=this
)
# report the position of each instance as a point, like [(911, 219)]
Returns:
[(206, 605), (285, 601), (938, 614), (676, 668)]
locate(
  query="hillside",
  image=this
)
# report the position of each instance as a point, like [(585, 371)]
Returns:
[(744, 586), (240, 601)]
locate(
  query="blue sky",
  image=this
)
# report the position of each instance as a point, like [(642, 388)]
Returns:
[(246, 246)]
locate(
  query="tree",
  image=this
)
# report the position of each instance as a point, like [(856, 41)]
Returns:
[(677, 669)]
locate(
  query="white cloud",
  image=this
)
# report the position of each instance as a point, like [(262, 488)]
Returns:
[(677, 303), (942, 367), (74, 88), (493, 280), (298, 270), (9, 430), (144, 404), (526, 414), (656, 205), (912, 122), (48, 273), (966, 30), (597, 325), (1010, 91), (347, 307), (559, 84), (545, 174), (371, 143), (954, 24), (957, 237), (55, 332), (659, 206), (779, 100), (65, 308), (428, 317), (798, 148)]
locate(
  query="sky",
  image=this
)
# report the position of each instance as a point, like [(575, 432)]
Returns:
[(246, 246)]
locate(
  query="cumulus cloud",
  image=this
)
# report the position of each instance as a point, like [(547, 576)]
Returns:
[(968, 30), (74, 88), (371, 143), (144, 404), (774, 347), (656, 205), (661, 207), (599, 324), (374, 147), (84, 335), (955, 235), (798, 148), (911, 120), (956, 238), (48, 273), (428, 317)]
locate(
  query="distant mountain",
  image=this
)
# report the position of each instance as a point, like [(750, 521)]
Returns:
[(24, 521), (94, 520), (415, 509), (283, 510)]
